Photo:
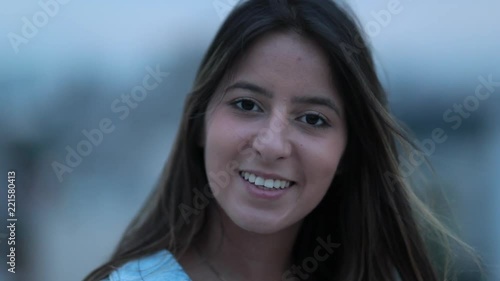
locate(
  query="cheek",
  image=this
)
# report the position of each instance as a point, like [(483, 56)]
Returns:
[(223, 142), (226, 131), (216, 138), (217, 155), (320, 164)]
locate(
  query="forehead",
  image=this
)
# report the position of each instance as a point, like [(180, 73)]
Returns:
[(287, 63), (287, 53)]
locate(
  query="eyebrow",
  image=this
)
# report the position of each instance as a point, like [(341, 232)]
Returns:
[(322, 101), (250, 87)]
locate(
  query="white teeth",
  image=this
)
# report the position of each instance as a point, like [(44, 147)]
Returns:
[(268, 183), (259, 181), (277, 183)]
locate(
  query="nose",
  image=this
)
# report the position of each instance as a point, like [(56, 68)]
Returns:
[(272, 141)]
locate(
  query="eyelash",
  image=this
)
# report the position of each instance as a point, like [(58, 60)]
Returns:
[(320, 116)]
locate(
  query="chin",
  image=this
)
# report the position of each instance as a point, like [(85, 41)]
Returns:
[(260, 223), (260, 227)]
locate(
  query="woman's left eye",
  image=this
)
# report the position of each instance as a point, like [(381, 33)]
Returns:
[(314, 119)]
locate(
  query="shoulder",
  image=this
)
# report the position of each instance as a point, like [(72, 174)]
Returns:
[(159, 266)]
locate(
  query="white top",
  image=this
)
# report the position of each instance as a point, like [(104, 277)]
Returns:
[(160, 266)]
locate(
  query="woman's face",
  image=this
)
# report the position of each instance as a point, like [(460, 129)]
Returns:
[(275, 132)]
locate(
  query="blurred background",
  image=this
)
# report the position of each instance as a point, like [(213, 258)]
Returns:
[(67, 68)]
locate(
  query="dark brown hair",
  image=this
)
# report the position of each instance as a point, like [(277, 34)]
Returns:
[(369, 209)]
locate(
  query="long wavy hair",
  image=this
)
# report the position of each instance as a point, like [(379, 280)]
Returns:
[(370, 209)]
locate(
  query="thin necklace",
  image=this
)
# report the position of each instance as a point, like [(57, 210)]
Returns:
[(208, 263)]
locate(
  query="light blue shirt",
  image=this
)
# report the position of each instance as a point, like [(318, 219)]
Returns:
[(161, 266)]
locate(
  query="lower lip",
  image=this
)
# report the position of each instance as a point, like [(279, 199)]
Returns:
[(261, 193)]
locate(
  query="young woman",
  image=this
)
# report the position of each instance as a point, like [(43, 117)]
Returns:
[(285, 165)]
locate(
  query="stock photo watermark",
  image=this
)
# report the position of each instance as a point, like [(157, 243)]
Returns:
[(382, 18), (379, 20), (121, 107), (32, 25), (321, 253), (11, 221), (454, 116)]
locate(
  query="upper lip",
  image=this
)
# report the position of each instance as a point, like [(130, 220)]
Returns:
[(266, 175)]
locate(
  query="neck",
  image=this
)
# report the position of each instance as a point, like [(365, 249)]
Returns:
[(238, 254)]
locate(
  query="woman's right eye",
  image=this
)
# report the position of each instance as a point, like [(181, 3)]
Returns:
[(247, 105)]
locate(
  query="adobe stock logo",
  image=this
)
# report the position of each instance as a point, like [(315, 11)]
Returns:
[(310, 264), (122, 108), (30, 28), (454, 116), (378, 21)]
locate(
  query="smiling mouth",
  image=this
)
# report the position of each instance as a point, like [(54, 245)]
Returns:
[(266, 184)]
